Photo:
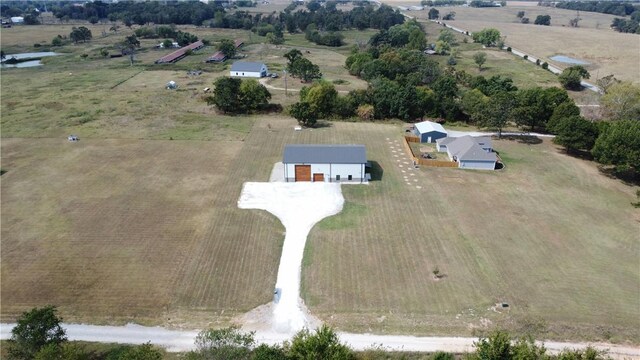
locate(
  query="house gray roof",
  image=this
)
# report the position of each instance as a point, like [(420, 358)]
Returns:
[(445, 140), (324, 154), (466, 148), (247, 66)]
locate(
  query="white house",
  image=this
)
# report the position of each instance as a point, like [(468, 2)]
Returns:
[(469, 152), (328, 163), (429, 131), (249, 69), (17, 19)]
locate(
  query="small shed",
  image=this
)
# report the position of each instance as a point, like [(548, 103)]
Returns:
[(429, 131), (249, 69), (325, 163)]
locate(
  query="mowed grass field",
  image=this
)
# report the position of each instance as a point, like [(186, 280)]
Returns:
[(593, 42), (130, 230), (549, 235)]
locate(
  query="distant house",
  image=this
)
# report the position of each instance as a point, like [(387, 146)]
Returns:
[(249, 69), (17, 19), (469, 152), (429, 131), (328, 163)]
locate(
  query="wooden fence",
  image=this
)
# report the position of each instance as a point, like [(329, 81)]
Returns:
[(425, 162)]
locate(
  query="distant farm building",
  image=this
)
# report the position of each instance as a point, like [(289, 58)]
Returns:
[(217, 57), (249, 69), (326, 163), (17, 19), (429, 131), (469, 152), (180, 53)]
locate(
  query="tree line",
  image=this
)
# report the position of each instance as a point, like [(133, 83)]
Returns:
[(39, 335), (619, 8)]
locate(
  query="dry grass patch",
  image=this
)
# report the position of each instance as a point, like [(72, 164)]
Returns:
[(593, 41), (118, 230)]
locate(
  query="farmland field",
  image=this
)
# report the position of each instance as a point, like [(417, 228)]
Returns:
[(138, 221), (593, 41)]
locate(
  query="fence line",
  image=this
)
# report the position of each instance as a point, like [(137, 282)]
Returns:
[(425, 162)]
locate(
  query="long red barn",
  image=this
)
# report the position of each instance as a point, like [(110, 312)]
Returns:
[(180, 53)]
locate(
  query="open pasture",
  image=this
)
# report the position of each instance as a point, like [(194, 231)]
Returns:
[(593, 41), (129, 230)]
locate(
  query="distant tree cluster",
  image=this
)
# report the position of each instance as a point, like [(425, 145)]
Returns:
[(328, 38), (81, 33), (483, 4), (487, 37), (442, 2), (325, 18), (619, 8), (183, 38), (631, 25)]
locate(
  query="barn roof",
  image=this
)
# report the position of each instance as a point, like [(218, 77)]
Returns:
[(429, 126), (247, 66), (324, 154)]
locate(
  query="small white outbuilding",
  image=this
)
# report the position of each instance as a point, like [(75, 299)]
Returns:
[(249, 69)]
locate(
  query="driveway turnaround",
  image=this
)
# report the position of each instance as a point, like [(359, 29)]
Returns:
[(299, 206)]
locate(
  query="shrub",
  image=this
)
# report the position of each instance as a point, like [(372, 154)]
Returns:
[(36, 45), (545, 65), (538, 62), (525, 57), (509, 49)]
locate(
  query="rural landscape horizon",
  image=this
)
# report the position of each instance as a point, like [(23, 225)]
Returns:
[(465, 169)]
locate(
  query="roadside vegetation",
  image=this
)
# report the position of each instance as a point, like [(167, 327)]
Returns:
[(39, 335)]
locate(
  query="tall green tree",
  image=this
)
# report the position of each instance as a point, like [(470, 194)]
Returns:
[(571, 77), (227, 47), (321, 96), (226, 94), (35, 330), (536, 105), (433, 14), (253, 95), (619, 145), (304, 69), (498, 112), (303, 112), (575, 133), (417, 40)]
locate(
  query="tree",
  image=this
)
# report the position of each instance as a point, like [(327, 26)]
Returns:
[(226, 94), (321, 96), (305, 69), (80, 34), (433, 14), (571, 77), (323, 344), (622, 101), (480, 58), (417, 40), (303, 112), (57, 41), (543, 20), (36, 329), (565, 110), (442, 47), (253, 95), (141, 352), (498, 112), (487, 37), (619, 145), (447, 36), (524, 20), (520, 14), (224, 344), (292, 55), (495, 347), (536, 106), (228, 48), (575, 133), (167, 44), (130, 44), (274, 39), (473, 102)]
